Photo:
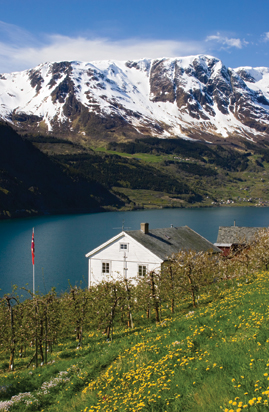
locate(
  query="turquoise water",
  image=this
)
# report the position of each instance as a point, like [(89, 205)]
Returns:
[(61, 242)]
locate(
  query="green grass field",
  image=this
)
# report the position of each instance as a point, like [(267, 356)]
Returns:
[(145, 157), (213, 358), (243, 188)]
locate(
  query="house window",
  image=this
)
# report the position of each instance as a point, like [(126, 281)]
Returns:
[(123, 246), (105, 267), (142, 270)]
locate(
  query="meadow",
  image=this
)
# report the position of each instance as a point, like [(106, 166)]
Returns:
[(213, 356)]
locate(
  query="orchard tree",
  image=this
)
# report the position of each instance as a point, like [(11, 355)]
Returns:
[(191, 271), (147, 294), (259, 250), (110, 298), (9, 320)]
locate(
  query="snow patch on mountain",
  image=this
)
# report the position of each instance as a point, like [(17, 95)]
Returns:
[(168, 97)]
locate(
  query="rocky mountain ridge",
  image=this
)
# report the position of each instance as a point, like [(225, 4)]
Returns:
[(194, 97)]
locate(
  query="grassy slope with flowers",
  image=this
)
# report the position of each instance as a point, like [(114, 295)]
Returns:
[(211, 359)]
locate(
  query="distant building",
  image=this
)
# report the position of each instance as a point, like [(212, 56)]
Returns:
[(230, 238), (133, 253)]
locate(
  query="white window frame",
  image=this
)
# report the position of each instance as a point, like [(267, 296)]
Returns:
[(124, 249), (144, 270), (105, 262)]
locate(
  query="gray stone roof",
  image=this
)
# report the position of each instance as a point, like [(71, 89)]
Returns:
[(236, 235), (165, 242)]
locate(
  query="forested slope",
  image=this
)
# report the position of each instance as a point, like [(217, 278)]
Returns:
[(31, 183)]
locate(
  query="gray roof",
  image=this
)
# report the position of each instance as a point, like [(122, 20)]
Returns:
[(165, 242), (236, 234)]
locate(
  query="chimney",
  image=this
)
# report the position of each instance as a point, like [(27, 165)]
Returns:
[(144, 227)]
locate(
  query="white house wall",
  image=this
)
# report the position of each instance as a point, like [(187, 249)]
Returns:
[(135, 255)]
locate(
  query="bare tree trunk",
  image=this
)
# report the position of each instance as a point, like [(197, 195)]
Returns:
[(172, 290), (46, 337), (192, 287), (130, 319), (78, 320), (12, 338), (113, 310), (40, 342), (12, 347), (153, 295), (36, 342)]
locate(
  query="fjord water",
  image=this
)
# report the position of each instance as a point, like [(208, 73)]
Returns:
[(61, 242)]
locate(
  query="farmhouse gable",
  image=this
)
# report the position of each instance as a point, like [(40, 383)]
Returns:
[(136, 252)]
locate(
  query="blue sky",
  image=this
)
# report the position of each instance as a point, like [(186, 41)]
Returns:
[(34, 31)]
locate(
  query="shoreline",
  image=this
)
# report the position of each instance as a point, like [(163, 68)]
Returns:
[(23, 214)]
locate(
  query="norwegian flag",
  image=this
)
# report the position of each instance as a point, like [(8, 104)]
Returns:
[(33, 247)]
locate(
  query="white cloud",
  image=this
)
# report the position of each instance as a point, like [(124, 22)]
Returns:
[(19, 50), (266, 36), (58, 47), (225, 41), (66, 48)]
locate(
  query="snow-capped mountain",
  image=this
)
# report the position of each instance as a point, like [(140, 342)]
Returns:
[(190, 97)]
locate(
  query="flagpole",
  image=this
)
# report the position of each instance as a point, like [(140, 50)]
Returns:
[(33, 279)]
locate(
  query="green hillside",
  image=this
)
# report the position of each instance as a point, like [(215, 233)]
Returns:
[(153, 173), (32, 183), (41, 175), (211, 357)]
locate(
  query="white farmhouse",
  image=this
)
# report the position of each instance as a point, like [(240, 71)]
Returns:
[(133, 253)]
